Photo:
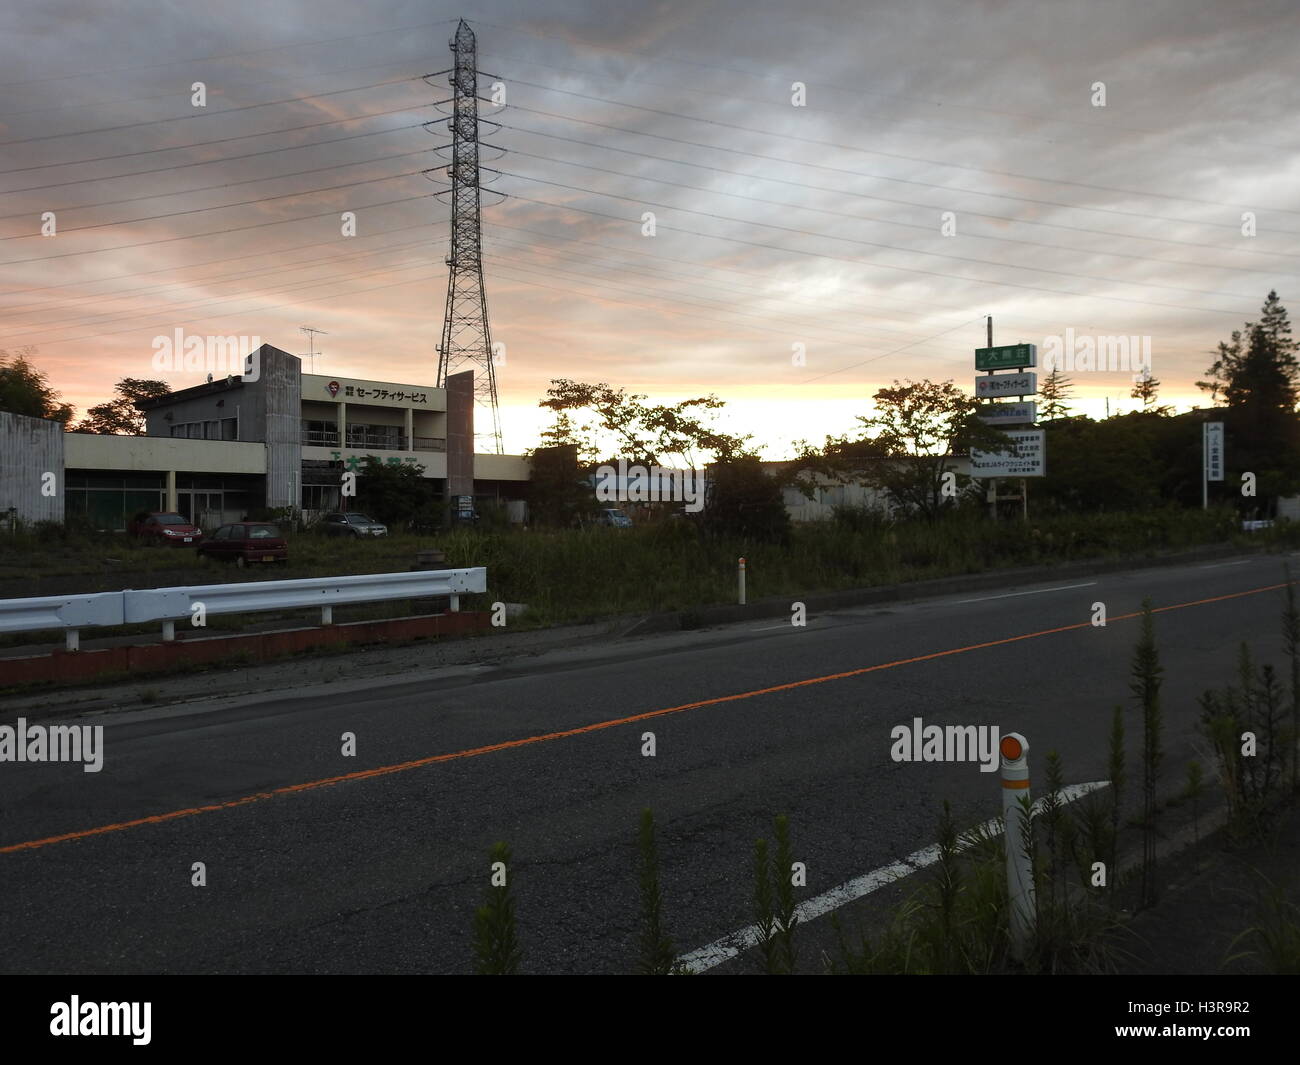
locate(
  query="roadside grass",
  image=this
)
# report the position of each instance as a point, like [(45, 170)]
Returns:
[(582, 575)]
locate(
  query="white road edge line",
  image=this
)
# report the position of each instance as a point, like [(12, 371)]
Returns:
[(1034, 591), (1216, 565), (731, 946)]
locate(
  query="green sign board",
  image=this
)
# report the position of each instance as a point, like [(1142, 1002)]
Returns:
[(1007, 357)]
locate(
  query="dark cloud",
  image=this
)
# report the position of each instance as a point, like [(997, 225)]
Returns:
[(777, 224)]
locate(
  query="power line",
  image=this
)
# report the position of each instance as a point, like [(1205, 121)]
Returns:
[(868, 263), (273, 306), (153, 315), (133, 68), (714, 67), (221, 140), (1218, 249), (100, 101), (690, 300), (894, 155), (931, 230), (238, 275), (887, 247), (857, 307), (946, 189), (206, 162), (203, 188), (213, 232), (198, 113), (203, 210), (174, 268)]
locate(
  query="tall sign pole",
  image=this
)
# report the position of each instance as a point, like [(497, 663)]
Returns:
[(1027, 456), (1211, 458), (993, 481)]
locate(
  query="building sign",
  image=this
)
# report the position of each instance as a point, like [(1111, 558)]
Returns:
[(1028, 457), (1009, 413), (1008, 357), (381, 393), (1213, 434), (992, 386), (353, 461)]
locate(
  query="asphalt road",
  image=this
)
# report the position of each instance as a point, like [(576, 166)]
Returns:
[(381, 872)]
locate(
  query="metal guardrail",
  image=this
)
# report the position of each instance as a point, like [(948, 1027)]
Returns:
[(61, 612), (129, 607)]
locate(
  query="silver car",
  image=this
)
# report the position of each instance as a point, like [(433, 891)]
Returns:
[(354, 525)]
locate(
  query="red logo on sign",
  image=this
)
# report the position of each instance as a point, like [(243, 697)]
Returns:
[(333, 386)]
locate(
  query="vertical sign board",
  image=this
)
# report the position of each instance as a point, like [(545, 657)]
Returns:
[(1213, 451), (991, 386), (1009, 413), (1028, 457), (1009, 357)]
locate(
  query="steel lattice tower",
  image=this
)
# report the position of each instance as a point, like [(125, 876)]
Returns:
[(466, 336)]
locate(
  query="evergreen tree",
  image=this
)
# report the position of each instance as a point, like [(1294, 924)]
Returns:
[(1147, 389), (1053, 394), (1257, 375)]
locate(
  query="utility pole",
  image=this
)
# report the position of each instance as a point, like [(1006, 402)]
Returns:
[(466, 335)]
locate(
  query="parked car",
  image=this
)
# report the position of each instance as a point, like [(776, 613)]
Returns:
[(614, 517), (246, 543), (354, 525), (164, 527)]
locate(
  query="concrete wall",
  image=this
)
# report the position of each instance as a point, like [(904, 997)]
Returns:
[(29, 449), (85, 452), (226, 398), (501, 468), (460, 434), (281, 397)]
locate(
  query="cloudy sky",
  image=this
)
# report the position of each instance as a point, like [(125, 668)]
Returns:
[(942, 162)]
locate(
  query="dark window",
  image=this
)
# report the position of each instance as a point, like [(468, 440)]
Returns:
[(222, 534)]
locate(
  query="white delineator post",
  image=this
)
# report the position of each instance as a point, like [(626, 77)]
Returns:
[(1020, 872), (740, 579)]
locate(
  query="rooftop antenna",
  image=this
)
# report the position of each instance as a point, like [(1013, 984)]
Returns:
[(311, 342)]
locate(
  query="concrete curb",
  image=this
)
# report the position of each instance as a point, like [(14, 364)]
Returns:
[(701, 617)]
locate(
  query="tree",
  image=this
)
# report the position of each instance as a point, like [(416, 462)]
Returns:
[(1147, 389), (1257, 366), (25, 389), (394, 493), (745, 503), (119, 416), (643, 433), (557, 494), (1257, 375), (919, 426), (1055, 390)]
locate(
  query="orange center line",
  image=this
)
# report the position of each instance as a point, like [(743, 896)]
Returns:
[(474, 752)]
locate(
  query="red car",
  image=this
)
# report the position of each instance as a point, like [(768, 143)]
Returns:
[(246, 543), (162, 527)]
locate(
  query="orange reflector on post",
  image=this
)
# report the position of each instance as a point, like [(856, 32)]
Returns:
[(1011, 749)]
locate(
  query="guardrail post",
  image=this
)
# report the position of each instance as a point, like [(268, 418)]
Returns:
[(455, 602), (740, 579), (73, 640), (327, 615), (1015, 817), (169, 632)]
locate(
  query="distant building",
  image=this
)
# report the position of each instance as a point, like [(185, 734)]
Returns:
[(281, 438)]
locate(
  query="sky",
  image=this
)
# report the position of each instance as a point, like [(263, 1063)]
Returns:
[(841, 192)]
